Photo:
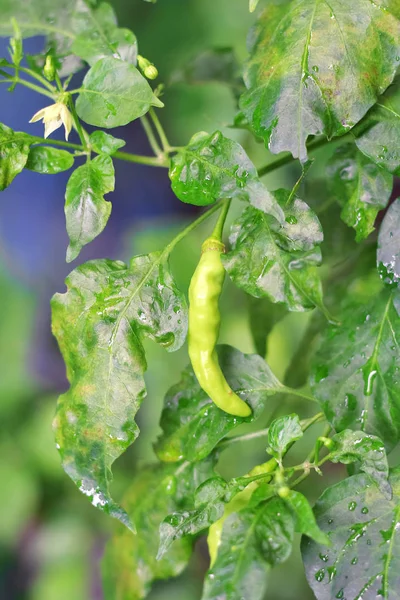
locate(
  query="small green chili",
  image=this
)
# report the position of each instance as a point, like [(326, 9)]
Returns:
[(204, 324)]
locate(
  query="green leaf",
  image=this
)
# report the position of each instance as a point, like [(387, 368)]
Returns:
[(356, 372), (99, 324), (113, 94), (98, 36), (368, 450), (14, 151), (282, 433), (86, 211), (211, 498), (264, 315), (316, 68), (47, 160), (305, 520), (388, 256), (378, 134), (193, 425), (104, 143), (71, 28), (274, 261), (363, 527), (129, 564), (191, 522), (213, 167), (360, 187), (252, 541)]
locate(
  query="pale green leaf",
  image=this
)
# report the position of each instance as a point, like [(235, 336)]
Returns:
[(366, 450), (104, 143), (47, 160), (316, 68), (114, 93), (99, 324), (86, 211), (277, 261), (388, 256), (360, 186), (14, 152), (282, 433)]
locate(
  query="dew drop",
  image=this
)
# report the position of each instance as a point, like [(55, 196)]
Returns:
[(319, 575), (352, 506), (324, 557), (364, 510)]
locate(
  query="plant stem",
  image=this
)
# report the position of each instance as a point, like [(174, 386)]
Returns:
[(299, 393), (78, 124), (243, 438), (305, 424), (151, 137), (135, 158), (168, 249), (310, 459), (34, 75), (157, 161), (160, 130), (219, 226), (41, 140), (288, 158), (28, 84)]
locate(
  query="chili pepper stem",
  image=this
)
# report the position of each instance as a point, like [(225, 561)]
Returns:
[(219, 226)]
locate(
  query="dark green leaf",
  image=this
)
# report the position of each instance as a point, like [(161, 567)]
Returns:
[(47, 160), (264, 315), (104, 143), (98, 36), (213, 167), (252, 540), (86, 211), (316, 68), (305, 520), (377, 136), (99, 324), (368, 450), (14, 151), (193, 425), (180, 524), (113, 94), (211, 499), (360, 187), (356, 373), (388, 257), (276, 261), (129, 564), (282, 433), (363, 527)]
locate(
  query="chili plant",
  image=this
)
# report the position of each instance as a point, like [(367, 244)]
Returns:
[(319, 81)]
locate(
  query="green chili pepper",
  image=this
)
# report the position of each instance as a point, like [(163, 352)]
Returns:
[(204, 323)]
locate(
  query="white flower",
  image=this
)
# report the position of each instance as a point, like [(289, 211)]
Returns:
[(53, 117)]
